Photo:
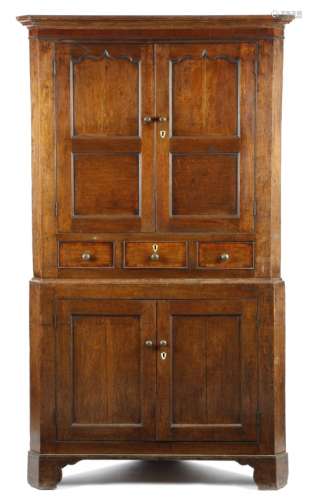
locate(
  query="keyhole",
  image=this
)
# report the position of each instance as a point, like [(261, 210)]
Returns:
[(162, 134), (163, 355)]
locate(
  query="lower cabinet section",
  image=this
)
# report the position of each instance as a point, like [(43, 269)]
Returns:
[(157, 369), (166, 370)]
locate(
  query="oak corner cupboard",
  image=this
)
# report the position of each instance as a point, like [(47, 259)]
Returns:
[(157, 306)]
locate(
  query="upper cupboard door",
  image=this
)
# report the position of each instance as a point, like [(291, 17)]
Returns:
[(104, 155), (205, 151)]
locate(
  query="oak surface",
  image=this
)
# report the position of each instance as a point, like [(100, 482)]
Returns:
[(157, 255), (73, 253), (206, 392), (156, 308), (226, 255)]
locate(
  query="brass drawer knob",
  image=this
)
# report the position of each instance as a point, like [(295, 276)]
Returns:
[(224, 257), (148, 343), (86, 256), (163, 343), (162, 119), (155, 255)]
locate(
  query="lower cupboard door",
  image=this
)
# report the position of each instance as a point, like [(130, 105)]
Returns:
[(106, 373), (207, 370)]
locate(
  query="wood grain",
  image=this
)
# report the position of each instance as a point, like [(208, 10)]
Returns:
[(199, 108), (89, 22), (171, 255), (106, 185), (210, 191), (105, 373), (207, 391), (43, 167), (71, 254), (155, 184), (240, 255), (206, 185), (200, 179), (149, 28), (96, 82), (109, 183), (270, 471)]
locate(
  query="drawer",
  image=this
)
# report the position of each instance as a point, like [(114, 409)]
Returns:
[(85, 254), (226, 255), (151, 254)]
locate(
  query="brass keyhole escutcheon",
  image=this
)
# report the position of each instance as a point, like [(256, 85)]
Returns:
[(162, 134), (163, 355), (155, 254)]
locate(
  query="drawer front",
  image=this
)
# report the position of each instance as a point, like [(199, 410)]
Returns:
[(149, 254), (85, 254), (226, 255)]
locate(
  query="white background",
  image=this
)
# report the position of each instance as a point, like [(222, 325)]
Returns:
[(135, 479)]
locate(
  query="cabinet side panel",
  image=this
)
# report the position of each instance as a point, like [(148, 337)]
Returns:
[(272, 370), (276, 158), (263, 153), (269, 92), (43, 161), (279, 367), (36, 178), (265, 367), (42, 366), (34, 362)]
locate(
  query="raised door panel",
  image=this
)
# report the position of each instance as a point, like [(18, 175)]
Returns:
[(198, 107), (207, 381), (196, 185), (205, 150), (103, 154), (105, 373), (106, 94), (105, 184)]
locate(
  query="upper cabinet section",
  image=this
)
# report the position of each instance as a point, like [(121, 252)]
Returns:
[(156, 129)]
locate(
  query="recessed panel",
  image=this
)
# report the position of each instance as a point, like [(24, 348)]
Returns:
[(204, 96), (206, 370), (106, 184), (105, 95), (106, 370), (205, 185)]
